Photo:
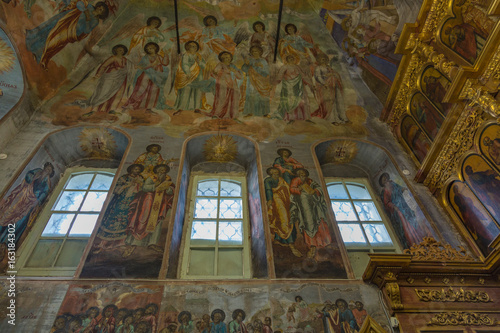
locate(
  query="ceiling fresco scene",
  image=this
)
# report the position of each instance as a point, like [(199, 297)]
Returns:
[(225, 67)]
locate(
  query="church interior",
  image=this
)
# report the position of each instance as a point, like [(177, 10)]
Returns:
[(250, 166)]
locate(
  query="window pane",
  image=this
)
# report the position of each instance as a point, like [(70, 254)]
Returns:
[(230, 262), (230, 209), (102, 182), (80, 182), (69, 201), (83, 226), (230, 233), (202, 262), (208, 188), (230, 189), (337, 191), (71, 253), (44, 253), (377, 234), (367, 211), (343, 211), (94, 201), (358, 191), (352, 233), (203, 233), (58, 225), (205, 208)]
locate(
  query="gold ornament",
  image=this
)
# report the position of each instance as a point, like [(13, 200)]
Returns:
[(97, 143), (220, 149), (342, 151), (450, 295), (431, 249), (459, 318)]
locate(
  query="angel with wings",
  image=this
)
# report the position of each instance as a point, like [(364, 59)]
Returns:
[(263, 39), (294, 44), (149, 33)]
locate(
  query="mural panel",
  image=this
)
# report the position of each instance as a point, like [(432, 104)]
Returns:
[(466, 31), (416, 140), (434, 86), (473, 215), (131, 237), (484, 181), (300, 225), (429, 119), (119, 307), (11, 76)]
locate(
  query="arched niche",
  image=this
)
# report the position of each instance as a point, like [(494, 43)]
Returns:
[(77, 146), (220, 153), (347, 158)]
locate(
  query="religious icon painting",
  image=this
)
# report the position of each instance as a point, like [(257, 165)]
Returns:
[(489, 144), (415, 138), (427, 116), (434, 86)]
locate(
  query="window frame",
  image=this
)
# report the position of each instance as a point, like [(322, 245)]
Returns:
[(35, 234), (195, 178), (368, 248)]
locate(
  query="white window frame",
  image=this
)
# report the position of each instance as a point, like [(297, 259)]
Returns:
[(185, 258), (368, 248), (33, 237)]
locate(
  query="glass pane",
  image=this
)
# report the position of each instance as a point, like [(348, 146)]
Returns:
[(44, 253), (230, 233), (230, 262), (203, 233), (343, 211), (94, 201), (358, 191), (205, 208), (58, 225), (230, 209), (71, 253), (80, 182), (352, 234), (84, 225), (202, 262), (367, 211), (102, 182), (208, 188), (69, 201), (377, 234), (230, 189), (337, 191)]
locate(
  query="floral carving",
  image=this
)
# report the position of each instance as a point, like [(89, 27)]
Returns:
[(451, 295), (431, 249), (459, 318)]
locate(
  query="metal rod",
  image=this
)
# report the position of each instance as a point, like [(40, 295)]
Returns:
[(278, 30), (177, 27)]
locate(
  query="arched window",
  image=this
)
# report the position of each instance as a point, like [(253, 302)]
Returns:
[(61, 233), (363, 226), (216, 239)]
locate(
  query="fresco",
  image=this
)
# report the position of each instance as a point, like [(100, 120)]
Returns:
[(119, 307), (299, 220), (368, 32), (416, 140), (135, 223), (112, 308), (473, 215), (466, 32), (484, 181), (489, 144), (11, 76), (434, 86), (428, 118), (122, 66)]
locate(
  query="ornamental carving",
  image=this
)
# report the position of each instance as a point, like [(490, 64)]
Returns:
[(451, 295), (392, 289), (459, 318), (436, 14), (457, 144), (431, 249)]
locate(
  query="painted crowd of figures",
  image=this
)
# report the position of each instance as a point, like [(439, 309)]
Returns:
[(295, 203), (140, 203), (206, 71), (338, 317)]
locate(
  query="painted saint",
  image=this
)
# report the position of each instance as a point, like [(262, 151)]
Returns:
[(258, 85), (227, 90)]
